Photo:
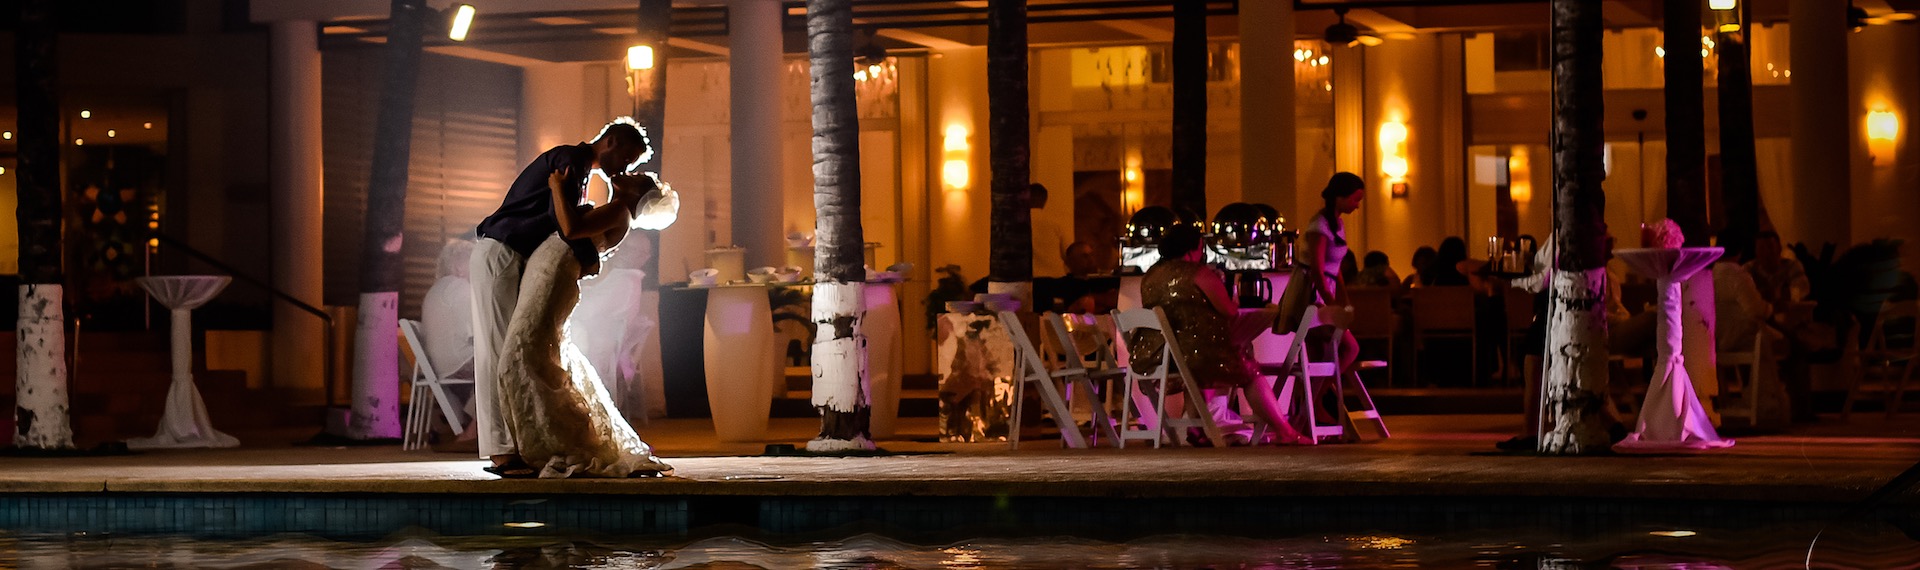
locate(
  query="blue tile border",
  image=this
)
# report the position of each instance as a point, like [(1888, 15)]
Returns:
[(237, 515)]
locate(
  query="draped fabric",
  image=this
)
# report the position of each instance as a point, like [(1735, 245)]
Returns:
[(551, 399), (610, 330)]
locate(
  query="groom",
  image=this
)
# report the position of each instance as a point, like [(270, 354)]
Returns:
[(557, 179)]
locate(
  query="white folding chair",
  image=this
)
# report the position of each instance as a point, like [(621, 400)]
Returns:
[(1083, 380), (1156, 423), (429, 387), (1754, 368), (1299, 370), (1030, 368)]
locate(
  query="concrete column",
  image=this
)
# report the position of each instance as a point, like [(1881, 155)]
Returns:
[(755, 70), (298, 336), (1822, 179), (1267, 161)]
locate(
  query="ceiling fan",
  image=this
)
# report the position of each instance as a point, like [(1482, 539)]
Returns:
[(1343, 33)]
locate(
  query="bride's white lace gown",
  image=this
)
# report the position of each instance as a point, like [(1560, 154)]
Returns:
[(550, 398)]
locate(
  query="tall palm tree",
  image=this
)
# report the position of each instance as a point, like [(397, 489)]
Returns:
[(376, 357), (1190, 105), (1576, 376), (1686, 122), (840, 388), (1010, 249), (40, 389), (1739, 166)]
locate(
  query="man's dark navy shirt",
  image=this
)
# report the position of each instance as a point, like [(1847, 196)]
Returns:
[(526, 217)]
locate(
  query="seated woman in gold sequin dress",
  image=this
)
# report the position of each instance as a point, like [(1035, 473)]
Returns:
[(1215, 337)]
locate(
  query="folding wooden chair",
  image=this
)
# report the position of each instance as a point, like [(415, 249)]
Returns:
[(1374, 319), (1152, 412), (1083, 382), (1754, 368), (1888, 360), (1446, 312), (1030, 368), (429, 387)]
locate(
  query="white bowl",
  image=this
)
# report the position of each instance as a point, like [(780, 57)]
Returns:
[(704, 277), (761, 274), (788, 274)]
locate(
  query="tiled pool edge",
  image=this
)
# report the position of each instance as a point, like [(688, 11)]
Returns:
[(361, 515)]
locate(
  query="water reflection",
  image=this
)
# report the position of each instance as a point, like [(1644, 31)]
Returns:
[(1862, 545)]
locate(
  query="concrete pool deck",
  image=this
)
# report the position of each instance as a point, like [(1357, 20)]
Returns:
[(1828, 464)]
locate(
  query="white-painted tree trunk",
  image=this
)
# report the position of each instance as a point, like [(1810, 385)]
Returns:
[(376, 368), (1576, 380), (40, 389), (1019, 290), (840, 382)]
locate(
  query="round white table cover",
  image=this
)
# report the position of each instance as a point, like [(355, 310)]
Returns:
[(185, 422)]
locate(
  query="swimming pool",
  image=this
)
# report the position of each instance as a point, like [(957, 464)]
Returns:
[(492, 531)]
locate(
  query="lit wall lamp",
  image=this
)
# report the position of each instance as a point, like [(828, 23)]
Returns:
[(1519, 177), (1723, 4), (1393, 156), (640, 57), (462, 22), (1883, 129), (956, 172)]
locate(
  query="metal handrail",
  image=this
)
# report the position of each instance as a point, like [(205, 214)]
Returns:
[(327, 367)]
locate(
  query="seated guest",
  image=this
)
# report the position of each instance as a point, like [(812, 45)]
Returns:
[(1215, 337), (1422, 268), (1781, 280), (1741, 313), (1376, 272), (1444, 271)]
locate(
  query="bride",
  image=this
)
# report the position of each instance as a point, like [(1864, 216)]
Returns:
[(551, 400)]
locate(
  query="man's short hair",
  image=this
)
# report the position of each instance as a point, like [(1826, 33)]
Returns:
[(628, 132), (1036, 193)]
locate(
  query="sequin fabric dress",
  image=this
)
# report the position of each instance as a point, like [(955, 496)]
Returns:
[(1204, 335)]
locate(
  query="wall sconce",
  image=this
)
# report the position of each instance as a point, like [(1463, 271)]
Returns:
[(1393, 156), (955, 171), (1882, 126), (1883, 130), (1519, 179), (1722, 4), (640, 57)]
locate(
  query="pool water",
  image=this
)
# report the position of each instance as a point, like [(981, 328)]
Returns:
[(1855, 544)]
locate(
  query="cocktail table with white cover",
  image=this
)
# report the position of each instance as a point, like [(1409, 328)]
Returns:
[(1672, 418), (185, 422)]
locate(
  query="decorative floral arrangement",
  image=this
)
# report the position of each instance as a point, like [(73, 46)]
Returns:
[(1663, 234)]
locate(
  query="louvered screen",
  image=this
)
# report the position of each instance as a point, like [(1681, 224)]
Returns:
[(464, 155)]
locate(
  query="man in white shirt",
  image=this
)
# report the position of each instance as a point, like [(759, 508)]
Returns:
[(1049, 239)]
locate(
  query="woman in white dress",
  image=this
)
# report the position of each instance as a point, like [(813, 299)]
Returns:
[(551, 399)]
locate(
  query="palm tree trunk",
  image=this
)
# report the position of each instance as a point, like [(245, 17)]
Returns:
[(1576, 377), (40, 389), (1190, 105), (1739, 167), (376, 356), (840, 389), (1686, 123), (1010, 249)]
